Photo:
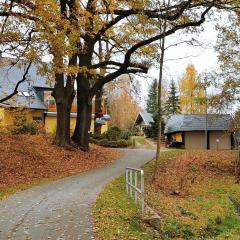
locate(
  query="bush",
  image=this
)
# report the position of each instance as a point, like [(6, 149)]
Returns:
[(103, 142), (97, 136), (126, 135), (124, 143), (25, 128), (113, 133), (21, 125), (114, 138), (112, 144)]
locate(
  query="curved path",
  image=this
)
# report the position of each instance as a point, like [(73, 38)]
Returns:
[(62, 209)]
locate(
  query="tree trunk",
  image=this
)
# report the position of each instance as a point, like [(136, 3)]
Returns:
[(84, 103), (62, 137), (84, 114), (237, 166), (63, 97), (98, 106)]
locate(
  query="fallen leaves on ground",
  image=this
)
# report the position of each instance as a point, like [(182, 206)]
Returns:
[(181, 172), (194, 194), (27, 158)]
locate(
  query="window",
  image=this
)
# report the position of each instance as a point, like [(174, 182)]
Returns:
[(37, 118), (26, 94), (51, 101)]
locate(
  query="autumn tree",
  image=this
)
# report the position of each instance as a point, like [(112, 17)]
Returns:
[(228, 49), (30, 30), (123, 106), (191, 95), (235, 127), (172, 105), (69, 32)]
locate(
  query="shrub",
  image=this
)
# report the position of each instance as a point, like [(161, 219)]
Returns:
[(27, 127), (124, 143), (126, 135), (98, 136), (21, 125), (113, 133), (102, 142), (112, 144), (114, 138)]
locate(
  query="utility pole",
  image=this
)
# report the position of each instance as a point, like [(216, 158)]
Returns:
[(206, 115), (162, 29)]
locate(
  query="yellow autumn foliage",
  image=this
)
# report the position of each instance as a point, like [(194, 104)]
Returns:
[(191, 95)]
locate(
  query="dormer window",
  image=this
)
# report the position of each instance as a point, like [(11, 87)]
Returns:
[(26, 94)]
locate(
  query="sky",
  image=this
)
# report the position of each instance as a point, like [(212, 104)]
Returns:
[(177, 58)]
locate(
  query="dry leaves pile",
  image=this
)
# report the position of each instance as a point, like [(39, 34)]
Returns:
[(26, 158), (180, 173)]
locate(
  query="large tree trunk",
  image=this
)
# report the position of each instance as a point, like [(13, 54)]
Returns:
[(98, 108), (84, 113), (84, 103), (63, 96), (62, 137)]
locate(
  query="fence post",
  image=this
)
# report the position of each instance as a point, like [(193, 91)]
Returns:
[(135, 186), (142, 189), (127, 181), (131, 183)]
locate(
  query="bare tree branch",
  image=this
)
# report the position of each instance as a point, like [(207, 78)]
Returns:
[(15, 91)]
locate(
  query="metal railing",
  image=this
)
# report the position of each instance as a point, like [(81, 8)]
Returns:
[(132, 184)]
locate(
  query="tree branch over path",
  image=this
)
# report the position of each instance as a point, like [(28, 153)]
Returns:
[(126, 64), (15, 91)]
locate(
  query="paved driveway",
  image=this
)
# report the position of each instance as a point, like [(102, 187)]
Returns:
[(62, 209)]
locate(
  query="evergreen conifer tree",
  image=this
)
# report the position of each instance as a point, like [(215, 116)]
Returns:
[(152, 107), (152, 97), (172, 105)]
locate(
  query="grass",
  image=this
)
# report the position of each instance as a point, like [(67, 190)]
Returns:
[(117, 217), (203, 209), (140, 140)]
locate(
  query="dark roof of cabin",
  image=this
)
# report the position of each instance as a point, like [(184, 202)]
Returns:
[(10, 75), (189, 122), (145, 117)]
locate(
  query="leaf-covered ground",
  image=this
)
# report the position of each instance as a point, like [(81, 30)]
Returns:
[(195, 195), (117, 217), (29, 159)]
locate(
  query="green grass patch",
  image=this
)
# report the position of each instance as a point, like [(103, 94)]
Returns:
[(208, 211), (140, 140), (117, 217)]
